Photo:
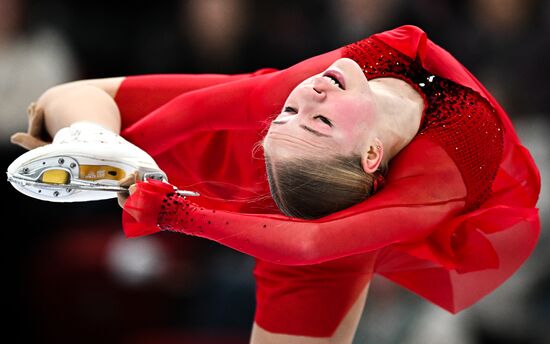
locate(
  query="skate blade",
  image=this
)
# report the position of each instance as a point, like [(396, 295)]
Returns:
[(59, 177)]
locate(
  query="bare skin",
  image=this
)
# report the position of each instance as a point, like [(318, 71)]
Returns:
[(65, 104), (340, 112), (93, 101)]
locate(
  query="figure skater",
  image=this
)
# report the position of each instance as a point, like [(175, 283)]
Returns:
[(385, 155)]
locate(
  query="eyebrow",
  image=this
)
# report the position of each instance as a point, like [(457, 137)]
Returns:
[(306, 128)]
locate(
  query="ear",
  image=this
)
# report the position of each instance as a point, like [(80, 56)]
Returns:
[(373, 158)]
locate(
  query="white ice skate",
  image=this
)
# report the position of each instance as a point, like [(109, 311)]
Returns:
[(85, 162)]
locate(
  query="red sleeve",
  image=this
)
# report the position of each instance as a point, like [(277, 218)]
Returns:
[(413, 203), (139, 95), (426, 244), (243, 103)]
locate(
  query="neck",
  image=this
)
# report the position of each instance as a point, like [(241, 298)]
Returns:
[(400, 107)]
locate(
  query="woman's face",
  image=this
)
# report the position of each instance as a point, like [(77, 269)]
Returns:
[(329, 113)]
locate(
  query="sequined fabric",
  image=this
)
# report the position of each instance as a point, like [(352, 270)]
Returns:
[(456, 117), (177, 211)]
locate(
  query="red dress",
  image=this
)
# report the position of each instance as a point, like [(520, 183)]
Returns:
[(455, 219)]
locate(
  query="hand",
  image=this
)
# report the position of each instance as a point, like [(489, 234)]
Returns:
[(129, 181), (36, 130)]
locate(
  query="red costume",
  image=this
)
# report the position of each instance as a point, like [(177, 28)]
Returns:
[(454, 220)]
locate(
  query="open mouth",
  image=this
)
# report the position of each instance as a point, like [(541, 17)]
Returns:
[(336, 78)]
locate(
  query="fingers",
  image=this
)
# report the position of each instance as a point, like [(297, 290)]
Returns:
[(121, 198), (27, 141), (37, 127), (35, 131), (129, 181)]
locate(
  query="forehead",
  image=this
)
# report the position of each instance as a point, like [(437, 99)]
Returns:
[(308, 147), (285, 147)]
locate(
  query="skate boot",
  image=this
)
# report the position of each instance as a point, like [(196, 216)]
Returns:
[(85, 162)]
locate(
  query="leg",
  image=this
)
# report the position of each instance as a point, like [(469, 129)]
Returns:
[(86, 100), (319, 303), (344, 333), (63, 105), (87, 159)]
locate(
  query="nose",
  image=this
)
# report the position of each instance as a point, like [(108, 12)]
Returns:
[(319, 89)]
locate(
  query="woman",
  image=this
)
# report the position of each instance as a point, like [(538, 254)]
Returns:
[(386, 155)]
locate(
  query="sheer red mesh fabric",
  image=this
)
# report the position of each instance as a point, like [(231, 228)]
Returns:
[(436, 249), (456, 117)]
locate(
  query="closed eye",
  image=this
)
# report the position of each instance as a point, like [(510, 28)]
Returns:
[(290, 109), (305, 127), (324, 120)]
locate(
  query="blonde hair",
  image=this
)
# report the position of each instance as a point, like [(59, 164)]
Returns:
[(313, 188)]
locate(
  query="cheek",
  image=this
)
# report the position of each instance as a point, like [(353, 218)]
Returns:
[(353, 116)]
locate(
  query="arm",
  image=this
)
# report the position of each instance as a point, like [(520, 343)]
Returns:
[(409, 208)]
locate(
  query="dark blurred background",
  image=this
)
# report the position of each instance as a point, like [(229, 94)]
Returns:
[(70, 276)]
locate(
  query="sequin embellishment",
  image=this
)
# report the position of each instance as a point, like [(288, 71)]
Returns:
[(456, 117)]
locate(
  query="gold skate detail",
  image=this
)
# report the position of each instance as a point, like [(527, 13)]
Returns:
[(55, 177), (101, 172)]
